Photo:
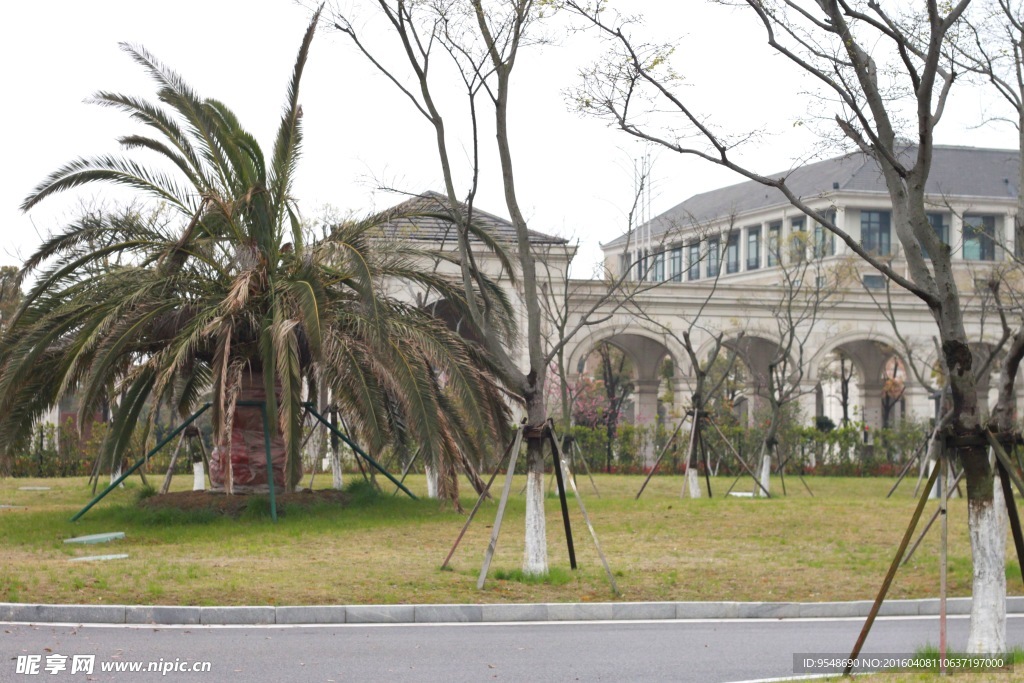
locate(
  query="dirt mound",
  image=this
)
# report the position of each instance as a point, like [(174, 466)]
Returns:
[(232, 506)]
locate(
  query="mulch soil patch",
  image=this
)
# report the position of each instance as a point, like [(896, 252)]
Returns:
[(232, 506)]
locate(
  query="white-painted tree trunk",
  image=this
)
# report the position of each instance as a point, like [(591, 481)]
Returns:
[(431, 473), (198, 476), (535, 552), (987, 525), (766, 473), (693, 482), (337, 480), (115, 474)]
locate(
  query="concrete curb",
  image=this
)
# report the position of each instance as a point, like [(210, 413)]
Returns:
[(450, 614)]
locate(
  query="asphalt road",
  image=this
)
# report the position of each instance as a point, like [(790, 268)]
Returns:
[(705, 651)]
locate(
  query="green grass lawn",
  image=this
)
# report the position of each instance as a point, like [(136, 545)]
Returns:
[(836, 545)]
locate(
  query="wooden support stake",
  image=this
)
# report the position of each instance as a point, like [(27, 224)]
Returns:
[(703, 446), (658, 461), (170, 470), (891, 573), (927, 528), (742, 462), (906, 468), (1011, 512), (579, 453), (782, 468), (489, 554), (943, 564), (405, 470), (1005, 460), (513, 444)]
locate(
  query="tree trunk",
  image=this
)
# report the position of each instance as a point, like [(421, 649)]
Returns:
[(535, 552), (431, 473), (987, 524), (247, 446), (692, 475), (198, 475), (766, 471), (693, 482)]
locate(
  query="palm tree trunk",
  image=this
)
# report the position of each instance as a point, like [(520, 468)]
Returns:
[(247, 446)]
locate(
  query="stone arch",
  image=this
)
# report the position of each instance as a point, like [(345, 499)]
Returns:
[(870, 354), (741, 401), (643, 346), (756, 352), (850, 338), (646, 351)]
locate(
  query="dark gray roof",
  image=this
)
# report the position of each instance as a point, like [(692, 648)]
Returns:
[(956, 171), (427, 217)]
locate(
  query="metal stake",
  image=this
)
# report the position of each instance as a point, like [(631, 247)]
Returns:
[(891, 573), (141, 461)]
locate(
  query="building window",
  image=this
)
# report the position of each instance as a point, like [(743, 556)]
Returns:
[(714, 244), (693, 259), (753, 248), (874, 232), (940, 224), (732, 253), (658, 267), (979, 238), (874, 281), (641, 265), (774, 235), (824, 240), (675, 264), (798, 238)]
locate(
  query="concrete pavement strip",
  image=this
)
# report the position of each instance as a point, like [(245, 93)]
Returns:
[(440, 614)]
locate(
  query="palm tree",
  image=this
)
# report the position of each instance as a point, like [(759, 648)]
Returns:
[(217, 290)]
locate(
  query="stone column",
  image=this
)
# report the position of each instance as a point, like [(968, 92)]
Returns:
[(681, 396), (1009, 239), (920, 406), (841, 247), (645, 414), (871, 404), (743, 248), (956, 232), (808, 402)]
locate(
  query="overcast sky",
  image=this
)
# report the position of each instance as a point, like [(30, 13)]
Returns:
[(575, 176)]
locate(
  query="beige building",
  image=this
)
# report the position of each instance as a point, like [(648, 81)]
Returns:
[(724, 253), (742, 239)]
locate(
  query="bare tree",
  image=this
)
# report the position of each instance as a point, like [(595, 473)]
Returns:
[(480, 42), (704, 383), (996, 53), (806, 286), (838, 44)]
